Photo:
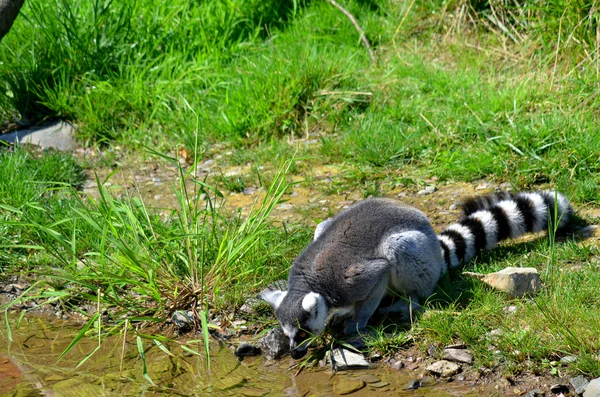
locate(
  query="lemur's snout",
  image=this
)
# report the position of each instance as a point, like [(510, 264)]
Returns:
[(298, 353)]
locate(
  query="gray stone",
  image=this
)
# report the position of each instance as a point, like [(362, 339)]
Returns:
[(284, 207), (457, 346), (443, 368), (246, 349), (427, 190), (58, 135), (343, 385), (592, 389), (579, 383), (423, 382), (458, 356), (250, 306), (182, 320), (397, 365), (379, 385), (341, 359), (275, 344), (534, 393), (431, 351), (369, 378), (568, 359), (515, 281)]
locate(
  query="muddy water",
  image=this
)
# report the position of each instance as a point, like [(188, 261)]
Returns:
[(29, 367)]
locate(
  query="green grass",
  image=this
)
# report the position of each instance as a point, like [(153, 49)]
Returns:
[(461, 91)]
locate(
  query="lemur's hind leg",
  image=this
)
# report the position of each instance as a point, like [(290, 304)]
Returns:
[(416, 265)]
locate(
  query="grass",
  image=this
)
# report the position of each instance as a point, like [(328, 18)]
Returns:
[(461, 91)]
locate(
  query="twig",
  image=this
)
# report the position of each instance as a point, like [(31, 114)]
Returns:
[(123, 348), (358, 28)]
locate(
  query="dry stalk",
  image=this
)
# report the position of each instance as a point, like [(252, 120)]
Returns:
[(363, 37)]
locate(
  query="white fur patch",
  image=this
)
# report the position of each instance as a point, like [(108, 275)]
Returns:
[(563, 208), (273, 298), (290, 332), (515, 218), (310, 300), (466, 234), (540, 221), (317, 307), (454, 262), (489, 225), (321, 227)]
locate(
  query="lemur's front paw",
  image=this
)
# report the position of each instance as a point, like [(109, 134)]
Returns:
[(353, 327)]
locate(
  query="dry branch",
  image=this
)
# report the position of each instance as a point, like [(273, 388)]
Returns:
[(361, 32)]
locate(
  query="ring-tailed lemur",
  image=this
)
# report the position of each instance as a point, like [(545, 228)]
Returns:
[(380, 246)]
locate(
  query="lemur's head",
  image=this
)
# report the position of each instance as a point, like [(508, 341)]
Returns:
[(300, 317)]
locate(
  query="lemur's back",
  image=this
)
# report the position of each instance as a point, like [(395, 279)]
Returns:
[(331, 264)]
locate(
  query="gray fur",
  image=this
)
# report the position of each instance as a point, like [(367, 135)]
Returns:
[(375, 247), (379, 246)]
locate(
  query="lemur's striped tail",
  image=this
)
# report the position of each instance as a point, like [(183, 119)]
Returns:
[(487, 220)]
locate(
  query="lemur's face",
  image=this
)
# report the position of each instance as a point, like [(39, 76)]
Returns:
[(300, 318)]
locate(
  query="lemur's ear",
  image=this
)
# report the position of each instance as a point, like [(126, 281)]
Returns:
[(273, 298), (310, 301)]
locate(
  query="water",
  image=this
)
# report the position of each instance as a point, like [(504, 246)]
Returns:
[(29, 367)]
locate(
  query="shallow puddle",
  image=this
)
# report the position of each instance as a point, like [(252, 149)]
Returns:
[(29, 367)]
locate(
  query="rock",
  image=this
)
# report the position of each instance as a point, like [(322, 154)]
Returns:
[(284, 207), (431, 351), (344, 385), (568, 359), (275, 344), (443, 368), (579, 383), (510, 309), (249, 191), (412, 366), (250, 306), (423, 382), (559, 388), (379, 385), (341, 359), (457, 346), (427, 190), (592, 389), (534, 393), (58, 135), (397, 365), (414, 384), (369, 378), (182, 320), (246, 349), (515, 281), (458, 356)]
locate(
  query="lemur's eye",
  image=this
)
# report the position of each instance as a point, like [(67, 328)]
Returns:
[(302, 334)]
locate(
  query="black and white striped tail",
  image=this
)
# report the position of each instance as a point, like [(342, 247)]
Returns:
[(487, 220)]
